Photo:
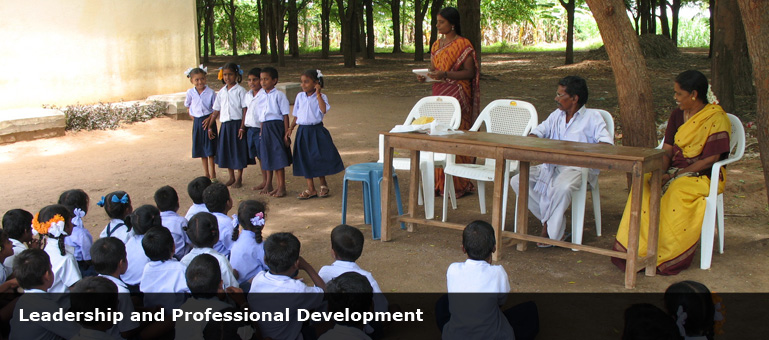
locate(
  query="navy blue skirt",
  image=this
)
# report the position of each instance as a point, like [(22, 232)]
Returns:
[(273, 152), (232, 153), (315, 154), (253, 141), (202, 146)]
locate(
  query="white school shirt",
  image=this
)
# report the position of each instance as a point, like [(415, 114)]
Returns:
[(92, 334), (341, 332), (228, 278), (125, 306), (164, 277), (137, 259), (229, 103), (328, 273), (175, 224), (194, 209), (264, 282), (120, 233), (65, 269), (81, 240), (200, 104), (3, 275), (471, 314), (38, 301), (306, 108), (272, 105), (18, 247), (247, 256), (193, 330), (225, 242), (249, 102)]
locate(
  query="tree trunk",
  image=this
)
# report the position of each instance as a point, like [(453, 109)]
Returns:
[(569, 6), (211, 20), (395, 7), (434, 10), (279, 12), (419, 16), (325, 23), (293, 29), (636, 101), (730, 65), (664, 18), (675, 8), (470, 17), (370, 38), (711, 8), (348, 19), (269, 7), (755, 16), (206, 28), (643, 12), (233, 28), (263, 33), (653, 16), (361, 26)]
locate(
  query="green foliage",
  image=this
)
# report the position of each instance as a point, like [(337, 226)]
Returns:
[(103, 116), (694, 32)]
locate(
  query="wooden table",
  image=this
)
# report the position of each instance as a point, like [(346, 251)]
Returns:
[(636, 161)]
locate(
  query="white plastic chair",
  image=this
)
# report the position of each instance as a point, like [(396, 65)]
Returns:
[(445, 110), (579, 197), (504, 116), (715, 201)]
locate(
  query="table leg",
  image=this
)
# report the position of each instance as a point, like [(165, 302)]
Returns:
[(387, 176), (428, 183), (654, 219), (635, 223), (523, 202), (414, 188), (496, 207)]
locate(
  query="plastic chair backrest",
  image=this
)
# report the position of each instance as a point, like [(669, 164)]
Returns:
[(609, 121), (737, 139), (509, 117), (444, 109)]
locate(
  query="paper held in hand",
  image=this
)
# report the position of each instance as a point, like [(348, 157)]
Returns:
[(423, 72)]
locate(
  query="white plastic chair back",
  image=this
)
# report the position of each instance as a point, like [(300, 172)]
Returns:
[(443, 108)]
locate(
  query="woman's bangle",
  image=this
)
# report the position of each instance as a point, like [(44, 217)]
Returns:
[(445, 74)]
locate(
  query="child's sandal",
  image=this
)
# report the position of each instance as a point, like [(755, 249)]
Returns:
[(323, 193), (305, 195)]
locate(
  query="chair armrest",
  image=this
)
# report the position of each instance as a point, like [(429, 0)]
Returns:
[(715, 172)]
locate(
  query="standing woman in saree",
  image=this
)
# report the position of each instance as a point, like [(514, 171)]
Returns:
[(455, 66), (697, 136)]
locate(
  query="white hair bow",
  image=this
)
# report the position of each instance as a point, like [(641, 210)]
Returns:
[(681, 320), (77, 221), (57, 229), (319, 74), (258, 220), (235, 220)]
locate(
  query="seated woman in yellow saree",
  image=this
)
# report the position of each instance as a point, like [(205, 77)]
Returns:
[(455, 65), (697, 136)]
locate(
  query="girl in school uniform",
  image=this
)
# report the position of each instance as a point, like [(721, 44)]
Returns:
[(231, 151), (117, 205), (274, 146), (199, 103), (54, 223), (141, 220), (247, 254), (76, 200), (253, 126), (315, 154)]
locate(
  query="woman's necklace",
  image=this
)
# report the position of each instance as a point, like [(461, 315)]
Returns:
[(445, 41)]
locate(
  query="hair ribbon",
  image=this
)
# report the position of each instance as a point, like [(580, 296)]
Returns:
[(78, 219), (101, 202), (235, 221), (123, 200), (319, 74), (258, 220)]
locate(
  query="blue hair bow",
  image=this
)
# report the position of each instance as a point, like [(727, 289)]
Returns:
[(101, 202), (123, 200)]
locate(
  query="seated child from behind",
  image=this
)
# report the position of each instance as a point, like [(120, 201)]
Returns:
[(163, 274), (247, 255), (117, 205), (281, 254), (218, 202), (168, 202), (76, 200), (195, 191), (108, 256), (203, 232), (89, 295), (140, 221), (54, 223), (348, 291), (18, 224)]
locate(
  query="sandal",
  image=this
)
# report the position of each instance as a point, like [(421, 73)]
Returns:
[(323, 191), (305, 195)]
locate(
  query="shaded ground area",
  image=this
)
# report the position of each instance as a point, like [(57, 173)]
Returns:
[(373, 97)]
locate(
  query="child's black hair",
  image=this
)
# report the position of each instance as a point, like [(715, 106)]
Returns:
[(203, 230), (196, 187), (234, 68), (645, 321), (347, 242), (158, 244), (255, 72), (195, 71), (30, 266), (478, 240), (106, 254), (16, 222), (47, 213), (166, 199), (271, 71), (203, 276), (281, 251), (696, 301), (351, 291), (3, 238), (246, 211), (143, 218), (75, 198), (116, 210), (215, 197), (90, 294), (313, 75)]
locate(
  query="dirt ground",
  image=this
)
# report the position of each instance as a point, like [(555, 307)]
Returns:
[(373, 97)]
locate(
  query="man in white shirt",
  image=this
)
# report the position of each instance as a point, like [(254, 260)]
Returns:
[(550, 185)]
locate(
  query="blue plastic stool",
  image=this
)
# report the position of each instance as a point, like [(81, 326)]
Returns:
[(370, 174)]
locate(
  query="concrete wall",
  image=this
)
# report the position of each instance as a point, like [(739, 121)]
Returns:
[(64, 52)]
